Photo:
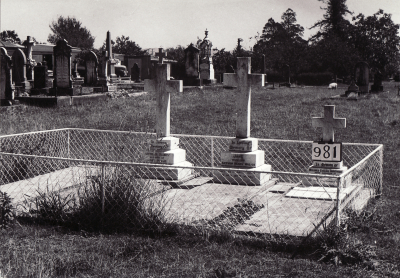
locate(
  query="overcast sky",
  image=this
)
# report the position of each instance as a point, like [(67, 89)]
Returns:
[(168, 23)]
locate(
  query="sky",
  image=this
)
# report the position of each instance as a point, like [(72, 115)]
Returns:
[(169, 23)]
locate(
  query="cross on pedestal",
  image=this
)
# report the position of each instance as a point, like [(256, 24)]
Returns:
[(328, 123), (160, 55), (163, 88), (244, 80)]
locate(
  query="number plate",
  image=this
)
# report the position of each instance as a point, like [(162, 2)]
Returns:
[(326, 151)]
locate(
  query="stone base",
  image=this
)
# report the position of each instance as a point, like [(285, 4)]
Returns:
[(164, 144), (327, 182), (243, 145), (376, 88), (77, 82), (244, 178), (209, 81), (41, 91), (171, 157), (8, 102), (246, 159), (61, 91), (166, 173)]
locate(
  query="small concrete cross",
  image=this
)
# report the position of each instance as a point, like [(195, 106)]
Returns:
[(160, 55), (244, 80), (163, 88), (328, 123)]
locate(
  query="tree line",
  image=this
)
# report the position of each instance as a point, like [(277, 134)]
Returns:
[(335, 48)]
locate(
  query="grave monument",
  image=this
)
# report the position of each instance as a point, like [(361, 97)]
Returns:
[(192, 74), (378, 78), (40, 81), (165, 149), (206, 65), (91, 64), (361, 75), (19, 70), (62, 84), (243, 150), (135, 73), (112, 77), (30, 63), (6, 87), (326, 153)]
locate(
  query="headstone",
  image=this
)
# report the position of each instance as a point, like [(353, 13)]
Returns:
[(160, 55), (165, 149), (192, 69), (353, 88), (361, 75), (62, 84), (30, 62), (111, 61), (41, 77), (103, 69), (19, 70), (6, 89), (135, 76), (91, 65), (243, 151), (377, 86), (206, 64), (326, 153)]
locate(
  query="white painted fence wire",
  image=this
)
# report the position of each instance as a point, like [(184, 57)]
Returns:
[(93, 179)]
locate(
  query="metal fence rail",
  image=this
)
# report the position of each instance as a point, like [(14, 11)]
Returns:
[(97, 179)]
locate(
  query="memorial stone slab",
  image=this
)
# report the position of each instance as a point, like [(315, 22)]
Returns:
[(377, 86), (19, 70), (62, 84), (41, 80), (28, 54), (91, 65), (6, 89), (361, 74), (165, 149), (135, 76)]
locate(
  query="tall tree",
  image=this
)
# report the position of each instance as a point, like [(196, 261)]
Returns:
[(10, 36), (334, 19), (72, 31), (123, 45), (376, 37)]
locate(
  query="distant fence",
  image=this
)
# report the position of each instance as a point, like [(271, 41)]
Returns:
[(98, 174)]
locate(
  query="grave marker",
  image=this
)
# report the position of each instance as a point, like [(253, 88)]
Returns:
[(243, 150), (361, 75), (62, 84), (6, 88), (91, 64), (135, 73), (19, 70), (161, 55), (165, 149), (111, 61), (30, 62), (40, 82), (326, 153)]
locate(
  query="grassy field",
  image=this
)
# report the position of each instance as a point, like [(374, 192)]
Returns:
[(282, 113)]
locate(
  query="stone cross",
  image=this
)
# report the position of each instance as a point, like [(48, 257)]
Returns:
[(244, 80), (160, 55), (328, 123), (163, 88)]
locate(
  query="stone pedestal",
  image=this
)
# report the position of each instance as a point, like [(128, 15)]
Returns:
[(166, 151), (326, 168), (243, 154)]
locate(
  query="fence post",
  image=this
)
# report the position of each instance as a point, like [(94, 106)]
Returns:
[(68, 142), (380, 173), (339, 182), (102, 188), (212, 152)]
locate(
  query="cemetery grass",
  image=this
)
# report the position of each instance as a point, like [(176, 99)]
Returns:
[(282, 113)]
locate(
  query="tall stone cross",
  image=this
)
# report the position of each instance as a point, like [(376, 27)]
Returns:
[(244, 80), (163, 88), (160, 55), (328, 123)]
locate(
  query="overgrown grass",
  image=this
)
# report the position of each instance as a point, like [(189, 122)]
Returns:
[(32, 251)]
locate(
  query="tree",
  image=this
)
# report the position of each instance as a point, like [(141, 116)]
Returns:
[(72, 31), (334, 21), (376, 38), (282, 43), (222, 59), (10, 36), (123, 45)]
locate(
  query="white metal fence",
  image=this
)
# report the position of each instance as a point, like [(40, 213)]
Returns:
[(95, 179)]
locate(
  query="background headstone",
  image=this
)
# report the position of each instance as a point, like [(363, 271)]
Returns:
[(6, 90), (41, 77), (62, 68), (135, 76), (192, 56), (377, 86), (361, 75), (30, 62), (19, 69), (91, 64)]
